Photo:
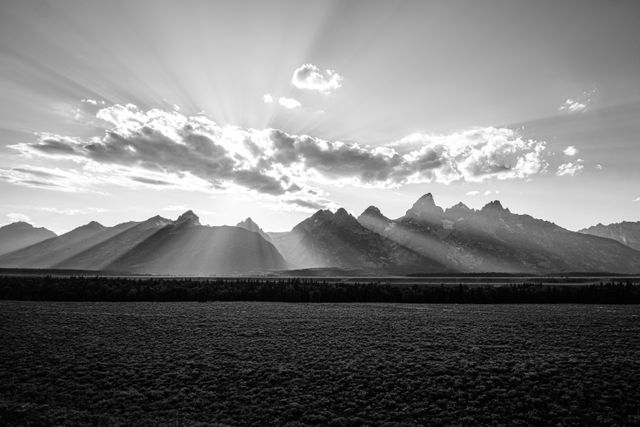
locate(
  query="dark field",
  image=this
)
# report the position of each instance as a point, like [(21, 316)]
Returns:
[(341, 364)]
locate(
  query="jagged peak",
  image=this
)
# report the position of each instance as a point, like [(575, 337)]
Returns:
[(461, 205), (425, 208), (189, 218), (459, 208), (343, 216), (494, 206), (157, 220), (248, 220), (321, 213), (249, 224), (372, 211), (342, 212)]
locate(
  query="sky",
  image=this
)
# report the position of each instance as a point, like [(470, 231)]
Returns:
[(121, 110)]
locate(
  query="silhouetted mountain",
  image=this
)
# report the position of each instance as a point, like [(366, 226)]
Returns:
[(188, 218), (20, 235), (187, 248), (425, 209), (53, 251), (99, 256), (337, 239), (248, 224), (427, 239), (496, 240), (627, 233)]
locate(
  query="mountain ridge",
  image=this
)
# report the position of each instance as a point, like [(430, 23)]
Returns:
[(20, 234), (426, 240)]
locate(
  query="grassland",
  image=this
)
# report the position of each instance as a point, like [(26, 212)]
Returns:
[(256, 363)]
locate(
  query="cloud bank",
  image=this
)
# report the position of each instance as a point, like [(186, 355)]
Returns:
[(311, 77), (166, 149)]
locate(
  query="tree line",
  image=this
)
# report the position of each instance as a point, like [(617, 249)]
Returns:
[(86, 288)]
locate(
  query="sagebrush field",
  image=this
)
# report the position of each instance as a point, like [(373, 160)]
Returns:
[(339, 364)]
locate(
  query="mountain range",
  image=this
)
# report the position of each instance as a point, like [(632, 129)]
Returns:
[(624, 232), (427, 239), (155, 246)]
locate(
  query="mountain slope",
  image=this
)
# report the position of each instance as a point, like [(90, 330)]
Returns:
[(495, 240), (51, 252), (187, 248), (19, 235), (106, 252), (627, 233), (329, 239)]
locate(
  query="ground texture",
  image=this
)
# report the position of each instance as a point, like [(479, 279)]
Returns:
[(341, 364)]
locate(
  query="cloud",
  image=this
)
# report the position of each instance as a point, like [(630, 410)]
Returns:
[(579, 104), (573, 106), (472, 193), (166, 149), (475, 155), (310, 77), (16, 217), (49, 178), (149, 181), (289, 103), (637, 199), (92, 102), (570, 169), (307, 204), (598, 167), (570, 151)]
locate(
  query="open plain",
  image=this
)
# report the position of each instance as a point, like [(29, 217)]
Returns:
[(259, 363)]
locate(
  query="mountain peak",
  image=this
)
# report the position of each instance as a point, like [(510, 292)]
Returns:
[(188, 218), (494, 206), (342, 212), (157, 221), (372, 211), (458, 209), (425, 208), (461, 206), (343, 217), (93, 225), (250, 225)]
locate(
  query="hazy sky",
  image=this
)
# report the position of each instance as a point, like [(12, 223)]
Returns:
[(271, 109)]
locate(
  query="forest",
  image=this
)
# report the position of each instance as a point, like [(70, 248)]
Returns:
[(308, 290)]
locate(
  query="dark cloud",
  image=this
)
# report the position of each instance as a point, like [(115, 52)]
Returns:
[(149, 180), (307, 204), (37, 173), (39, 183), (54, 146)]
